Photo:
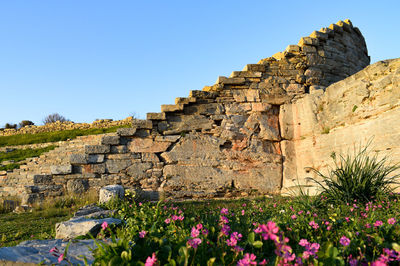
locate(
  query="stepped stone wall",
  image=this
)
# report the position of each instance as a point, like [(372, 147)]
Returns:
[(225, 140)]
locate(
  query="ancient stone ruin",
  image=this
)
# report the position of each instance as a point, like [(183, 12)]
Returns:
[(253, 132)]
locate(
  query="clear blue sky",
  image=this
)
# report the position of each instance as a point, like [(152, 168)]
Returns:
[(110, 59)]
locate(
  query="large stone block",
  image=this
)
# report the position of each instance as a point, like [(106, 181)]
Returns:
[(78, 158), (115, 166), (110, 192), (77, 186), (97, 149), (138, 170), (147, 145), (81, 226), (110, 140), (61, 169)]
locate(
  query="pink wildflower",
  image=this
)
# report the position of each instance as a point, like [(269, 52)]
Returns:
[(224, 220), (140, 204), (150, 261), (344, 241), (294, 217), (224, 211), (378, 223), (194, 243), (268, 231), (242, 212), (142, 234), (313, 224), (195, 232), (199, 226), (248, 259), (167, 221), (54, 250), (61, 258), (303, 242), (225, 230), (391, 221), (104, 225)]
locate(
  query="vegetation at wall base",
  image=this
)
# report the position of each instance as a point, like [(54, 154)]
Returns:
[(361, 177), (277, 231), (46, 137), (20, 155)]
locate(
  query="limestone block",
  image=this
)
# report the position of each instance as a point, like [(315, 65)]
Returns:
[(107, 193), (41, 179), (156, 116), (149, 157), (61, 169), (95, 158), (147, 145), (255, 67), (319, 35), (171, 108), (260, 107), (97, 149), (119, 149), (336, 28), (308, 41), (171, 138), (126, 132), (110, 140), (115, 166), (292, 49), (182, 100), (142, 124), (81, 226), (94, 168), (246, 74), (78, 158), (77, 186), (138, 170), (308, 49), (230, 81), (187, 123)]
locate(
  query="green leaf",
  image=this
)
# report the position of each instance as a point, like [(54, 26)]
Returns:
[(210, 262), (257, 244), (251, 238)]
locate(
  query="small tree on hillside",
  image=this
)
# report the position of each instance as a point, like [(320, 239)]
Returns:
[(54, 118), (9, 126), (24, 123)]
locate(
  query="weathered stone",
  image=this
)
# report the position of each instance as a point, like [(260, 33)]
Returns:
[(171, 107), (78, 159), (97, 149), (308, 41), (95, 158), (138, 170), (142, 124), (147, 145), (61, 169), (115, 166), (81, 226), (110, 140), (42, 179), (126, 132), (107, 193), (77, 186), (149, 157), (156, 116), (230, 81), (119, 149)]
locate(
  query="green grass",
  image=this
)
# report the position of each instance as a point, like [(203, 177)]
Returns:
[(20, 155), (36, 225), (40, 223), (45, 137)]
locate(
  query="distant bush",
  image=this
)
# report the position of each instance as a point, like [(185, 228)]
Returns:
[(54, 118), (9, 126), (24, 123)]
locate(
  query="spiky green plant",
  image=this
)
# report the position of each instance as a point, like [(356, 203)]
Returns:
[(362, 177)]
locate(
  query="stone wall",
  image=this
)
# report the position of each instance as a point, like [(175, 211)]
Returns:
[(225, 140), (68, 125), (351, 113)]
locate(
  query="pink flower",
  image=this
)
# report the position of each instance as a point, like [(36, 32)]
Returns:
[(248, 259), (61, 258), (224, 220), (242, 212), (368, 226), (313, 224), (294, 217), (142, 234), (391, 221), (150, 261), (344, 241), (224, 211), (54, 250), (303, 242), (199, 226), (104, 225), (195, 232), (268, 231), (167, 221), (378, 223), (194, 243), (225, 230), (140, 204)]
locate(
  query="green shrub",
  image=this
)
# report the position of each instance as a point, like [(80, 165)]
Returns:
[(24, 123), (361, 177)]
